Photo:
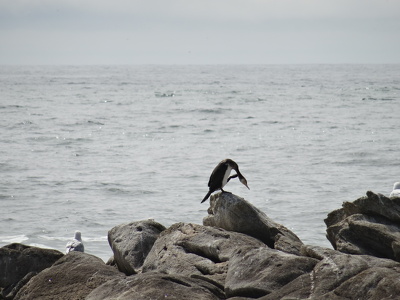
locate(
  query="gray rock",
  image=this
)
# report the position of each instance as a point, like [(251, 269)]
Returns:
[(154, 286), (132, 242), (72, 277), (343, 276), (11, 291), (372, 204), (260, 271), (375, 204), (195, 250), (369, 225), (298, 288), (232, 258), (241, 298), (354, 277), (373, 284), (233, 213), (17, 260)]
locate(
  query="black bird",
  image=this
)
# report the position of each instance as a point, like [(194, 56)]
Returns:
[(220, 176)]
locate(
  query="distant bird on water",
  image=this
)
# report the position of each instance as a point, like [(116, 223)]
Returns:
[(220, 176), (396, 190), (76, 244)]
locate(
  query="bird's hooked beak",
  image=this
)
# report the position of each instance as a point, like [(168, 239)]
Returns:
[(244, 181)]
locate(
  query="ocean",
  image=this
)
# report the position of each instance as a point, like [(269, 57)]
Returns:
[(90, 147)]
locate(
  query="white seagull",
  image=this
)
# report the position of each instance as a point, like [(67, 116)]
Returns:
[(396, 190), (76, 244)]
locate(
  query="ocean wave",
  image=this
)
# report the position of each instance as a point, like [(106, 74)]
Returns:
[(38, 245), (379, 99), (164, 94), (11, 106), (210, 110), (13, 238), (67, 238)]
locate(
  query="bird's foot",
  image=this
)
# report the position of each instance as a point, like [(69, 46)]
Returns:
[(226, 191)]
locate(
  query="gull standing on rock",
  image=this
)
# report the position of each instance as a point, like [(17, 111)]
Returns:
[(76, 244), (220, 176), (396, 190)]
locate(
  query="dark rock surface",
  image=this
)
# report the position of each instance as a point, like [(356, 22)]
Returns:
[(369, 225), (195, 250), (343, 276), (11, 291), (154, 286), (17, 260), (72, 277), (132, 242), (251, 258), (258, 272), (233, 213)]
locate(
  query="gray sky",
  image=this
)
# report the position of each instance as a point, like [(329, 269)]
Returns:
[(199, 32)]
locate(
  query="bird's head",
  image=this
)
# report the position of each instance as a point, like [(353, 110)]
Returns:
[(78, 235), (244, 181)]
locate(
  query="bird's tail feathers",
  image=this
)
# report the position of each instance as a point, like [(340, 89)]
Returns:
[(206, 197)]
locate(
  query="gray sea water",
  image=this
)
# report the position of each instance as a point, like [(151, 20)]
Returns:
[(90, 147)]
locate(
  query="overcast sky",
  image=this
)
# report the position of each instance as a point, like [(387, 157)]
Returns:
[(199, 32)]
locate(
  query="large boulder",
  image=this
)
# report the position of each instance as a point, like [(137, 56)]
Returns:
[(72, 277), (195, 250), (155, 286), (11, 291), (132, 242), (233, 213), (17, 260), (340, 276), (369, 225), (242, 255), (258, 272)]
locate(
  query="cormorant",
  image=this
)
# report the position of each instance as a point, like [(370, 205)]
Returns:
[(220, 176)]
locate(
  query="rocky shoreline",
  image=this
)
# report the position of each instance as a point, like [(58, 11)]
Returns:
[(238, 253)]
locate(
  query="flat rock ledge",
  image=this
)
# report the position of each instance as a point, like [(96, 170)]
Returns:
[(238, 253)]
